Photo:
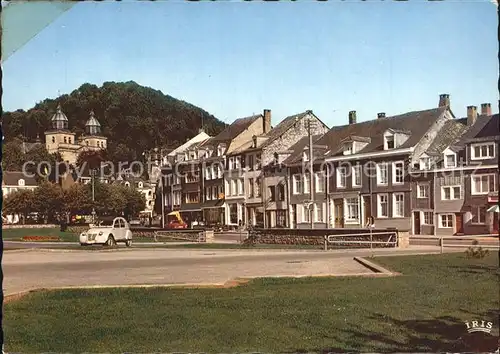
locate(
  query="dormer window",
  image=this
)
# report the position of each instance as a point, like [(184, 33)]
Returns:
[(348, 148), (450, 159), (425, 163), (21, 182), (305, 156), (140, 184), (389, 142)]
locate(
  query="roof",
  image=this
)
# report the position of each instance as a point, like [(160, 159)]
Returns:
[(59, 115), (451, 131), (200, 137), (297, 149), (234, 129), (484, 128), (11, 178), (282, 127), (417, 122), (92, 122)]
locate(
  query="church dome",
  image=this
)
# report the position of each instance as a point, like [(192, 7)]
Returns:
[(92, 127), (59, 119)]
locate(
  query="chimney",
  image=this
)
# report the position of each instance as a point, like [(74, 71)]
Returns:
[(471, 115), (381, 115), (486, 109), (352, 117), (267, 120), (444, 100)]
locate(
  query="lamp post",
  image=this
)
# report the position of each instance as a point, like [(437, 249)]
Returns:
[(311, 172)]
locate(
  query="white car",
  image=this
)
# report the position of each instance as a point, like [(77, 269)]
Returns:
[(108, 233)]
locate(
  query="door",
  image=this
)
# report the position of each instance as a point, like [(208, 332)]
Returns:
[(416, 223), (459, 224), (338, 212), (495, 223), (367, 209)]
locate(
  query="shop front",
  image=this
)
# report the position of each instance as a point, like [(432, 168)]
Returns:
[(494, 212)]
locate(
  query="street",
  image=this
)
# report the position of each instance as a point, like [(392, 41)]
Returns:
[(31, 269)]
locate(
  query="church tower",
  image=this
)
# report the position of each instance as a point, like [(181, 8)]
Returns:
[(93, 139), (60, 139)]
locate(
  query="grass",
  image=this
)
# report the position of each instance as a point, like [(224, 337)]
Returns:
[(423, 310), (18, 234)]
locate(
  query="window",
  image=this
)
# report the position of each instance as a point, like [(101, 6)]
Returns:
[(258, 162), (241, 185), (341, 177), (177, 198), (446, 221), (305, 156), (352, 208), (87, 142), (281, 218), (428, 218), (318, 209), (383, 206), (250, 162), (140, 185), (297, 184), (389, 142), (192, 198), (398, 210), (397, 173), (234, 187), (356, 176), (451, 193), (231, 163), (478, 215), (208, 172), (281, 192), (65, 141), (208, 193), (258, 188), (450, 161), (190, 178), (54, 140), (217, 171), (423, 191), (251, 187), (483, 184), (237, 162), (306, 183), (320, 182), (307, 214), (69, 140), (382, 174), (348, 148), (482, 151), (233, 213), (215, 194), (272, 193), (20, 182)]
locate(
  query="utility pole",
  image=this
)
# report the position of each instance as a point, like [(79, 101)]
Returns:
[(311, 173)]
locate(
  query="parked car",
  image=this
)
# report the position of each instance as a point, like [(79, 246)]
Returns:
[(108, 232)]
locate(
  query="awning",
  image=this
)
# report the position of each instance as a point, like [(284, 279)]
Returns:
[(213, 204), (494, 209), (173, 213), (190, 207)]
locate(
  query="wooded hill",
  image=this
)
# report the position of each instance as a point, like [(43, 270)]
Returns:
[(133, 117)]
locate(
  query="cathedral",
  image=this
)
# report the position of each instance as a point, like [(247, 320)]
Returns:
[(60, 139)]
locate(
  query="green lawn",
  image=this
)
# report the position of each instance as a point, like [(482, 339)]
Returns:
[(421, 311), (18, 234)]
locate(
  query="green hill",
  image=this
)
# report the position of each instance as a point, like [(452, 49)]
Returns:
[(133, 117)]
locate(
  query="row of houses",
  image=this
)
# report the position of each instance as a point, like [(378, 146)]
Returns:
[(425, 171)]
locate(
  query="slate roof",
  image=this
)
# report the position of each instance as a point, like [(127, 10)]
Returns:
[(485, 128), (233, 130), (282, 127), (451, 131), (297, 150), (417, 122), (11, 178)]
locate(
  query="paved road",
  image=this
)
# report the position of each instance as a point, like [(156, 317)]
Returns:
[(30, 269)]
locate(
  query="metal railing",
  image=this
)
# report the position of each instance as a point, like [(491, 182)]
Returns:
[(392, 239)]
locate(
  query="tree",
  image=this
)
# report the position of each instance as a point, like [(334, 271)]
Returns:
[(48, 200), (19, 202), (77, 199), (12, 156), (135, 201), (90, 160)]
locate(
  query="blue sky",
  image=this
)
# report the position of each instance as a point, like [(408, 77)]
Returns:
[(236, 58)]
